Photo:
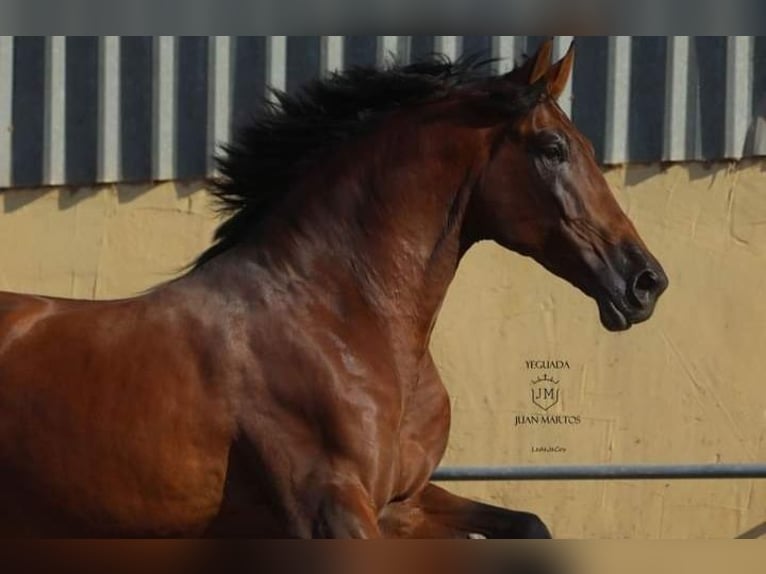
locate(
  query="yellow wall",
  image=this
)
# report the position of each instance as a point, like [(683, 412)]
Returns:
[(688, 386)]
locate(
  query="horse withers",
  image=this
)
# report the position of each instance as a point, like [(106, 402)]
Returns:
[(283, 386)]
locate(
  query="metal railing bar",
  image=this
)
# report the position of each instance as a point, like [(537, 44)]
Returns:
[(602, 472)]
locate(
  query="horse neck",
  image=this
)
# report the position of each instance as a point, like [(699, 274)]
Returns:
[(378, 226)]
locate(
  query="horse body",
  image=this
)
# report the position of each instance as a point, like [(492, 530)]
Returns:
[(274, 361), (148, 447), (284, 386)]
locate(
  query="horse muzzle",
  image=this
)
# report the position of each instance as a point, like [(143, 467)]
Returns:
[(629, 295)]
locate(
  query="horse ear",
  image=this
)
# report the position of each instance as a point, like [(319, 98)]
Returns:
[(557, 75), (534, 67)]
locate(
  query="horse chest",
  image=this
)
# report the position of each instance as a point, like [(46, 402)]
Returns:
[(424, 430), (426, 420)]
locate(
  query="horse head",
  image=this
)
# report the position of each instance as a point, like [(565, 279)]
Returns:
[(543, 195)]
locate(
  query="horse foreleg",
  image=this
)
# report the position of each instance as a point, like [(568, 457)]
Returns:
[(437, 513)]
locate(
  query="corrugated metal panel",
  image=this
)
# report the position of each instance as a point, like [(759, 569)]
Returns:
[(164, 108), (55, 111), (618, 94), (28, 111), (390, 48), (707, 102), (81, 110), (450, 46), (136, 113), (6, 109), (192, 107), (560, 46), (506, 50), (739, 74), (81, 122), (109, 108), (331, 58), (674, 140), (219, 85), (589, 89), (755, 141), (276, 62)]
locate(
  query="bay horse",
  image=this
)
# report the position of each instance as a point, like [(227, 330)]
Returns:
[(283, 386)]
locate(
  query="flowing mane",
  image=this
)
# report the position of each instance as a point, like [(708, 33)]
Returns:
[(266, 156)]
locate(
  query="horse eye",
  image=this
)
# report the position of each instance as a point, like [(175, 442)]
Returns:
[(553, 152)]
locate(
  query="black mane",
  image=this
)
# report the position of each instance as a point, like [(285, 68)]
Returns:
[(258, 166)]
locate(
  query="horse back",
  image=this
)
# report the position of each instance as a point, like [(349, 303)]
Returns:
[(107, 421)]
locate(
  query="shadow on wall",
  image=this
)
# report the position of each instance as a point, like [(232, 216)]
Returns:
[(15, 201), (756, 532)]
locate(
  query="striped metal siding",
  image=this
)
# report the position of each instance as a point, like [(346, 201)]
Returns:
[(80, 110)]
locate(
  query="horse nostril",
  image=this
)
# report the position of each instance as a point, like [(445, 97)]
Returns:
[(647, 281), (645, 286)]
